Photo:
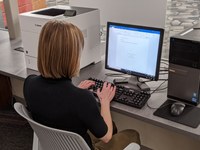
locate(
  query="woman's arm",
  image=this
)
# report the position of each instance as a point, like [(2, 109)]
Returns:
[(106, 95)]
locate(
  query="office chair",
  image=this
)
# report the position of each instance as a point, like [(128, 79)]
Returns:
[(47, 138)]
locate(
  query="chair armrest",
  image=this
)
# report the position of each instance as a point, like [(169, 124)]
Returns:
[(132, 146)]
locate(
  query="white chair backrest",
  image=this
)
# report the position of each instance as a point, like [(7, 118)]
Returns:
[(51, 138), (55, 139)]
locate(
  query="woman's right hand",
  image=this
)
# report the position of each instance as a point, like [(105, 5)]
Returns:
[(107, 93), (105, 96)]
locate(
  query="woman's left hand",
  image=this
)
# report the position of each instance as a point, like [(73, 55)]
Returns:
[(86, 84)]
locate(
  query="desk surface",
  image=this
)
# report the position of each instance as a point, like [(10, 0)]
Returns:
[(12, 64)]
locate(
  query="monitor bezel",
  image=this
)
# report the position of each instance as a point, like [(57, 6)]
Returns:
[(137, 74)]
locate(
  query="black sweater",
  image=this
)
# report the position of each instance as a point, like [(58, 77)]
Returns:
[(58, 103)]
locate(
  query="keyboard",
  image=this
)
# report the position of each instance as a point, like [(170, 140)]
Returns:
[(124, 95)]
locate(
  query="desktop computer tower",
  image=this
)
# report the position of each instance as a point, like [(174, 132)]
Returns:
[(184, 66)]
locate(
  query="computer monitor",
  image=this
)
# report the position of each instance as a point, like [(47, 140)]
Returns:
[(134, 50)]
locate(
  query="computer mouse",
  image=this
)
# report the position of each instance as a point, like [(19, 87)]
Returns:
[(177, 108)]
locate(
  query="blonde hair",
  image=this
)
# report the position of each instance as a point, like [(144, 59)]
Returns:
[(59, 49)]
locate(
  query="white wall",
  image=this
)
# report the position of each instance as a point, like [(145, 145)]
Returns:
[(141, 12)]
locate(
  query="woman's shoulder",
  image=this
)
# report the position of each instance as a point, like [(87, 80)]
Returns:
[(30, 77), (27, 83)]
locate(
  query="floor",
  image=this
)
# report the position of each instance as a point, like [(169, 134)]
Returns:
[(180, 15), (145, 148)]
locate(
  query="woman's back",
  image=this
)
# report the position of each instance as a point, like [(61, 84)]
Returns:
[(58, 103)]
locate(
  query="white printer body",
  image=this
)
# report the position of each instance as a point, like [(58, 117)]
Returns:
[(86, 19)]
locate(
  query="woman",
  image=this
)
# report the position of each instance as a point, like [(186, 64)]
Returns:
[(54, 101)]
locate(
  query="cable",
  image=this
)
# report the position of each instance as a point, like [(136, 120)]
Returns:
[(163, 73), (166, 70), (158, 87), (164, 63), (163, 79), (152, 80), (164, 59), (163, 67)]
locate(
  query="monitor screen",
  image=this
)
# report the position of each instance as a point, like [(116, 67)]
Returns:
[(134, 50)]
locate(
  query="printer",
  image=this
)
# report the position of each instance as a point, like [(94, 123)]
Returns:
[(184, 66), (86, 19)]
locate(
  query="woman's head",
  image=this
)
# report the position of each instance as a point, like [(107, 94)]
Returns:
[(59, 49)]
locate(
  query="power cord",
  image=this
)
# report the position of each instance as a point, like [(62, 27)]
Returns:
[(153, 91)]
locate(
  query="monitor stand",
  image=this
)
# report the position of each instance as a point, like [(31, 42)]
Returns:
[(133, 83)]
